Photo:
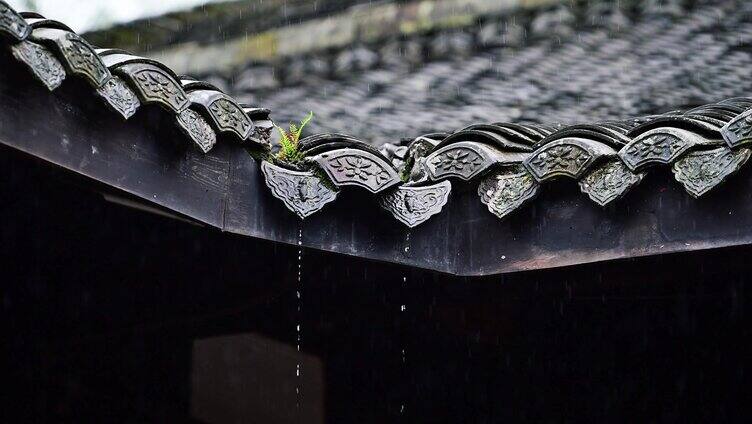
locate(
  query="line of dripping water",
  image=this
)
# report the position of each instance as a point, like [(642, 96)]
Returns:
[(403, 310), (299, 300)]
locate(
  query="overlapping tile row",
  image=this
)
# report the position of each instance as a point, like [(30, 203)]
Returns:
[(125, 83), (332, 162), (510, 163), (703, 147)]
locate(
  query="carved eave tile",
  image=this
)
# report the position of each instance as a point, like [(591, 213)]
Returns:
[(78, 56), (738, 131), (358, 168), (661, 146), (43, 64), (566, 157), (119, 97), (413, 206), (225, 113), (609, 182), (12, 24), (262, 125), (506, 191), (301, 191), (467, 160), (152, 84), (702, 170), (195, 126)]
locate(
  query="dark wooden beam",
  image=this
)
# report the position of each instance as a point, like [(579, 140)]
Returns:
[(147, 158)]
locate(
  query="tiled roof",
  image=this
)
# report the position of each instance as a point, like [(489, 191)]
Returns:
[(509, 162), (629, 65)]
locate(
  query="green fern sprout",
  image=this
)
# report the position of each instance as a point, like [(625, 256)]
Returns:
[(289, 139)]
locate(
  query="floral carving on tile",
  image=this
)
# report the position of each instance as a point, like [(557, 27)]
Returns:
[(358, 167), (659, 148), (159, 87), (83, 60), (458, 161), (230, 117), (557, 160)]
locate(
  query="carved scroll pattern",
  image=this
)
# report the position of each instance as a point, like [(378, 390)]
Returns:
[(609, 182), (302, 192), (414, 205), (504, 192), (43, 64), (120, 97), (700, 171), (198, 129)]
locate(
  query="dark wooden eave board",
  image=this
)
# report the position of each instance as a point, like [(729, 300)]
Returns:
[(147, 158)]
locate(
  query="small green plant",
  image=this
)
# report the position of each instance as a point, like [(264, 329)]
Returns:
[(288, 142)]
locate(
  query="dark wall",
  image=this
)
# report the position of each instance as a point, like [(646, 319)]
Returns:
[(103, 307)]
